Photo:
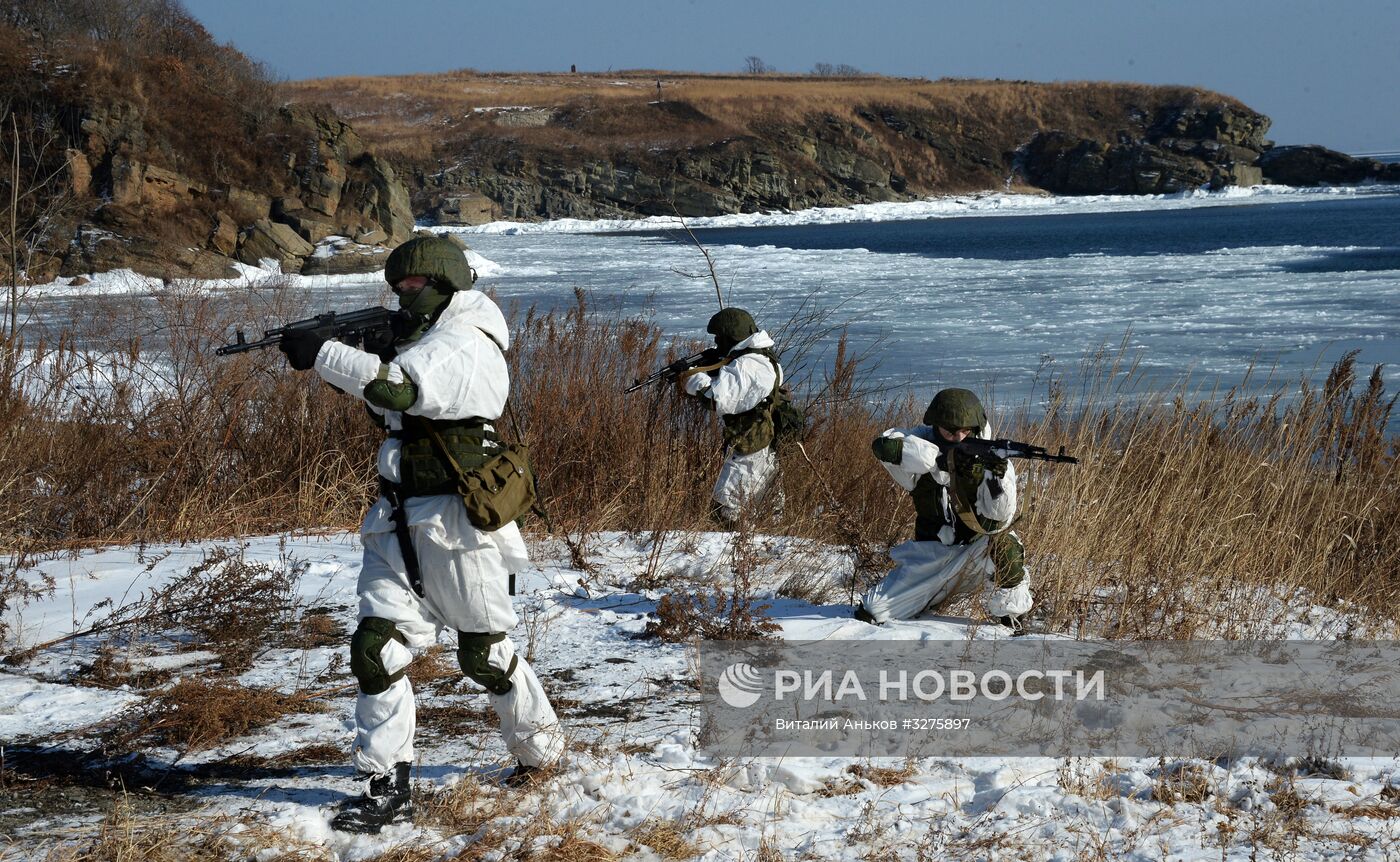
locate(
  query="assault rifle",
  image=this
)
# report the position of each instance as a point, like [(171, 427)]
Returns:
[(710, 356), (979, 449), (372, 325)]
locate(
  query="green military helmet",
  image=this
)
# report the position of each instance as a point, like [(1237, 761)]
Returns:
[(952, 409), (436, 257), (731, 326)]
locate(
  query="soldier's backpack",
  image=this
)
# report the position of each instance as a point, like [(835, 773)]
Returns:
[(789, 422)]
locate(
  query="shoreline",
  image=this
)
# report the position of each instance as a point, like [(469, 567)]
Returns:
[(973, 204), (984, 204)]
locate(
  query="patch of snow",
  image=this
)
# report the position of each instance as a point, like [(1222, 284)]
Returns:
[(30, 709)]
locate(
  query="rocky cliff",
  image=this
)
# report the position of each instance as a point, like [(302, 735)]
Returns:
[(478, 147), (867, 147), (186, 173), (169, 154), (149, 217)]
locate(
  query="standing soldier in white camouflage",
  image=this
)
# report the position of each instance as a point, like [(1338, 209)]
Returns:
[(964, 508), (743, 390), (436, 391)]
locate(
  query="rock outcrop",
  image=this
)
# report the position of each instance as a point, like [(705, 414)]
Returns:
[(1111, 139), (333, 192), (1312, 166), (1171, 152)]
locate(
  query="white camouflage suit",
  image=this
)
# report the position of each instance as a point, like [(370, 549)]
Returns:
[(460, 372), (928, 573), (738, 387)]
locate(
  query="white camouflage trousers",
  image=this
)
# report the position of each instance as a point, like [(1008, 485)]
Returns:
[(745, 481), (466, 589), (928, 574)]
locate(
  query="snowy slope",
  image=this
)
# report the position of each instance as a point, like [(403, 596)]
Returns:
[(632, 780)]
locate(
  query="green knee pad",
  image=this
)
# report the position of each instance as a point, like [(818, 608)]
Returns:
[(474, 653), (365, 662), (1009, 557)]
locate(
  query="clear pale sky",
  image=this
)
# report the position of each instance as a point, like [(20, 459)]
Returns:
[(1326, 72)]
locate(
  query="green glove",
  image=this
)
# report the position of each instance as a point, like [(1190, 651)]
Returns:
[(888, 449)]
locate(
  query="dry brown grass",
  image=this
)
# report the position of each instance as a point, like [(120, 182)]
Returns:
[(462, 809), (124, 835), (1181, 782), (434, 665), (1189, 511), (428, 119), (861, 776), (195, 714), (666, 839), (1193, 509)]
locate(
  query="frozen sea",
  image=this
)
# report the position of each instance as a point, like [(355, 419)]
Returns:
[(984, 290)]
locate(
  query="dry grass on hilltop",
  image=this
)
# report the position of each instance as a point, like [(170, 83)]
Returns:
[(411, 115)]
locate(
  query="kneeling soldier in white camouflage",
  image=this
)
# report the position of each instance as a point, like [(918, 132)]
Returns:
[(436, 390), (964, 507), (743, 391)]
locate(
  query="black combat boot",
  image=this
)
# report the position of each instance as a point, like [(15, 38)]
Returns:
[(388, 799), (522, 776)]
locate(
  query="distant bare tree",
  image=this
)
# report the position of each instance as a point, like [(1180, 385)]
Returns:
[(756, 66), (823, 70), (845, 70)]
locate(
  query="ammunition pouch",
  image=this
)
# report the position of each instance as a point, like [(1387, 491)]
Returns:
[(496, 483)]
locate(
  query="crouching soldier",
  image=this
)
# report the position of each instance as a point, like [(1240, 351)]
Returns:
[(436, 390), (742, 389), (964, 507)]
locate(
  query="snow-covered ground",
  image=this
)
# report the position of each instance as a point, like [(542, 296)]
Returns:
[(632, 781)]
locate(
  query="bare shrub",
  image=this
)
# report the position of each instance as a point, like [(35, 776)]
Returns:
[(150, 438), (1193, 511), (1180, 782), (714, 613), (231, 605), (195, 714)]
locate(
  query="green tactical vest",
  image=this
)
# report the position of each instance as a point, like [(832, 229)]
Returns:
[(422, 471), (928, 504), (752, 430)]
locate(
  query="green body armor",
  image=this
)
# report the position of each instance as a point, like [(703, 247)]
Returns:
[(423, 471), (752, 430), (1007, 552)]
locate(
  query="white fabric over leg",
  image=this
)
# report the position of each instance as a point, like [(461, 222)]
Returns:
[(528, 723), (743, 481), (926, 573), (465, 588), (384, 725), (1011, 601), (465, 573)]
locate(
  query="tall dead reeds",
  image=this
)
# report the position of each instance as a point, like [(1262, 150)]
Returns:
[(1192, 511)]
